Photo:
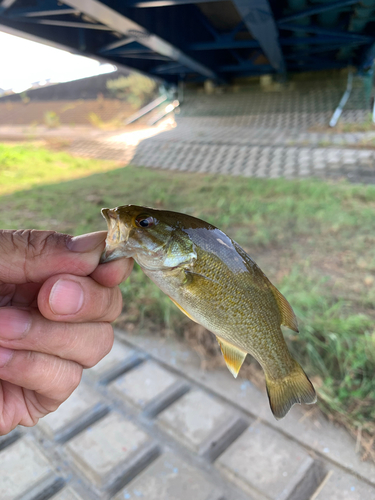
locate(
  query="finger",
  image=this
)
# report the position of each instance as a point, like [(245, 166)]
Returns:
[(78, 299), (113, 273), (33, 256), (50, 376), (26, 295), (27, 329), (6, 294)]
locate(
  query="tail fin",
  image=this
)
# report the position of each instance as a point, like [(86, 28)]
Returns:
[(292, 389)]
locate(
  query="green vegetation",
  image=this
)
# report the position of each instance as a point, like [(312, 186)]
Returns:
[(367, 125), (136, 89), (23, 167), (315, 240), (51, 119)]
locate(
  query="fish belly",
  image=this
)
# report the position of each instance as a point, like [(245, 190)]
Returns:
[(231, 314)]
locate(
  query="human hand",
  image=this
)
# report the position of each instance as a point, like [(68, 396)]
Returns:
[(56, 305)]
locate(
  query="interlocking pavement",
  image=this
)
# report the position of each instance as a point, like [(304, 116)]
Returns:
[(251, 134), (147, 422)]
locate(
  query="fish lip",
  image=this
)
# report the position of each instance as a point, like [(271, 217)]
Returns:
[(107, 255), (111, 253)]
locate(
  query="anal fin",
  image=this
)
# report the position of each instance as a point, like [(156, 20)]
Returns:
[(183, 310), (233, 356)]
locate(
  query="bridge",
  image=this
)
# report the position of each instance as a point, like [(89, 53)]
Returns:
[(195, 40)]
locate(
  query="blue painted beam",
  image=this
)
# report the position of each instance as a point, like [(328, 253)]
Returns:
[(323, 7), (368, 57), (144, 55), (326, 32), (247, 66), (170, 68), (5, 4), (114, 46), (40, 8), (165, 3), (41, 13), (320, 50), (224, 43), (258, 17), (64, 24), (121, 24)]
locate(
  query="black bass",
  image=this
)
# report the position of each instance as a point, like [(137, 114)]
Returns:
[(215, 283)]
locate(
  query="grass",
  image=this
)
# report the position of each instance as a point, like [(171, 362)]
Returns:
[(367, 125), (315, 240), (26, 166)]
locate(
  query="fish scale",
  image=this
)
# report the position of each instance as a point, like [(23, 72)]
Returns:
[(215, 283)]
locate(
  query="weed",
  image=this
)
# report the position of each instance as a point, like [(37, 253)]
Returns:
[(51, 119), (135, 89)]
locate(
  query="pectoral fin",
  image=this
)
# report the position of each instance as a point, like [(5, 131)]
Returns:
[(233, 356), (183, 310)]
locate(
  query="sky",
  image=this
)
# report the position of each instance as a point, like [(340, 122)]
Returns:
[(23, 63)]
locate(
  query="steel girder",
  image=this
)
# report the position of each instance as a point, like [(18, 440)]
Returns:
[(200, 39)]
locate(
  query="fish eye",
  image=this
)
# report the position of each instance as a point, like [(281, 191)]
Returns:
[(145, 221)]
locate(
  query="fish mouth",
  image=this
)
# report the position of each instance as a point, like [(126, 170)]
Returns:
[(109, 254), (117, 237)]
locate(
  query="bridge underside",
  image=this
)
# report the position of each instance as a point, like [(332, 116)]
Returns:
[(193, 40)]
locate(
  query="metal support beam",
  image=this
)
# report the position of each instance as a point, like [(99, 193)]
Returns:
[(319, 50), (40, 13), (336, 115), (324, 7), (247, 66), (165, 3), (368, 58), (5, 4), (326, 32), (170, 68), (115, 45), (258, 18), (121, 24), (329, 41), (65, 24), (225, 43), (41, 8)]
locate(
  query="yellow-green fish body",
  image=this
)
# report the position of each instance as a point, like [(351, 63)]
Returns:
[(213, 280)]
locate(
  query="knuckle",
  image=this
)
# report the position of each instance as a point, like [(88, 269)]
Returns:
[(102, 345), (73, 379), (114, 304), (25, 246)]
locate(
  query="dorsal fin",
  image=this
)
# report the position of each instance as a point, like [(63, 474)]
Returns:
[(233, 356), (288, 318)]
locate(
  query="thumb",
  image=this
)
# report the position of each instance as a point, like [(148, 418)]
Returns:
[(33, 256)]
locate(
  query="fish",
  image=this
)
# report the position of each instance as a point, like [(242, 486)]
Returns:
[(212, 280)]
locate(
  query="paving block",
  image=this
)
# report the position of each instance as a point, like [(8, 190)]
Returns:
[(25, 471), (339, 485), (81, 409), (9, 438), (169, 478), (269, 466), (110, 451), (148, 387), (201, 423), (116, 362), (67, 494)]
